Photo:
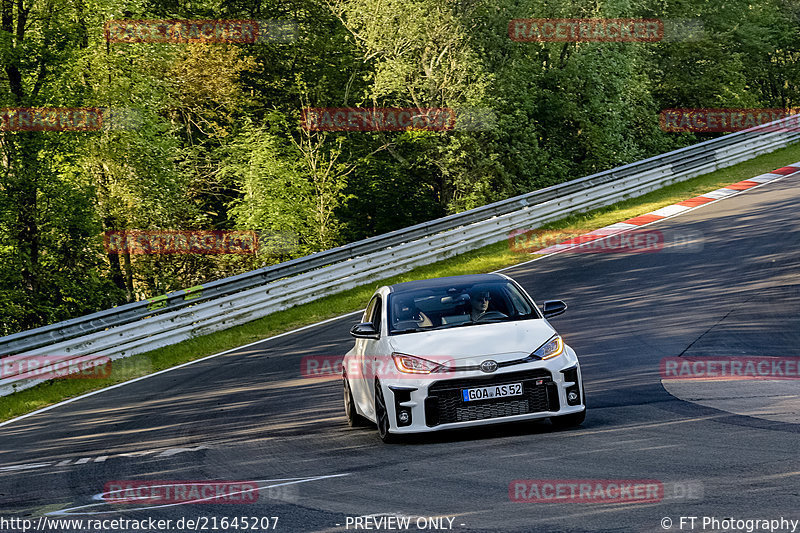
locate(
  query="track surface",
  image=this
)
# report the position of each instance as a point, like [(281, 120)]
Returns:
[(248, 415)]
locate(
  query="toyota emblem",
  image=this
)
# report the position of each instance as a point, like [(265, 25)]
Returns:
[(488, 366)]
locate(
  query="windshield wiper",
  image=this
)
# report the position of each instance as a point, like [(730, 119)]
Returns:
[(407, 330), (447, 326), (520, 317)]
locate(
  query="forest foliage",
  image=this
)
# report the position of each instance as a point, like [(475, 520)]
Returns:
[(209, 136)]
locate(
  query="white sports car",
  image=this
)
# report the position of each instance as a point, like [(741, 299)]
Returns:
[(458, 352)]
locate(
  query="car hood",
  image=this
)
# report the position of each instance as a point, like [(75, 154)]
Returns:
[(503, 341)]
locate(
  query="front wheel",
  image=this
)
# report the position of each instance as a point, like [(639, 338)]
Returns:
[(353, 418), (382, 416), (568, 421)]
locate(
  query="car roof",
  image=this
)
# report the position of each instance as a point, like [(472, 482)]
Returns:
[(445, 282)]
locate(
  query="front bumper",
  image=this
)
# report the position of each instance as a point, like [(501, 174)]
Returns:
[(433, 404)]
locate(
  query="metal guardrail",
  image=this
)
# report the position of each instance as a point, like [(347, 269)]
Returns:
[(168, 319)]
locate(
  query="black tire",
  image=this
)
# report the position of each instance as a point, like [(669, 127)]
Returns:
[(354, 420), (382, 416), (568, 421)]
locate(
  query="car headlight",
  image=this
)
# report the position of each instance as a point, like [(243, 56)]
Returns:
[(552, 348), (409, 364)]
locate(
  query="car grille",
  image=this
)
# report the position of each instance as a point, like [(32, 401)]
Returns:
[(445, 406)]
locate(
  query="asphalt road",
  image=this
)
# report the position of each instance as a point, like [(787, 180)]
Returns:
[(249, 415)]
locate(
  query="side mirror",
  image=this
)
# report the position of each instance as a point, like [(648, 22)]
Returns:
[(553, 308), (365, 330)]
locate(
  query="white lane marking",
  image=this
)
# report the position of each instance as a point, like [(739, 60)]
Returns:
[(721, 193), (606, 230), (620, 226), (553, 249), (169, 452), (764, 178), (291, 481), (175, 451), (670, 210), (65, 402), (26, 466), (136, 454), (88, 394)]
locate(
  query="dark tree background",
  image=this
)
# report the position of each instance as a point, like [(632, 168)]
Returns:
[(216, 141)]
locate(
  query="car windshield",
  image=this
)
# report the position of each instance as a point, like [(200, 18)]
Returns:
[(452, 306)]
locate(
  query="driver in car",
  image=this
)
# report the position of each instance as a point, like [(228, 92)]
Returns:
[(479, 299)]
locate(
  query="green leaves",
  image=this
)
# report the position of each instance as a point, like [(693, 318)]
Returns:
[(216, 141)]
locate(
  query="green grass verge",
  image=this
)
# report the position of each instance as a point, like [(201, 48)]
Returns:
[(484, 259)]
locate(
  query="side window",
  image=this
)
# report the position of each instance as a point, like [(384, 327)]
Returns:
[(520, 306), (376, 313)]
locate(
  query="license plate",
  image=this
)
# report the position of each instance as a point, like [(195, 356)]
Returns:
[(495, 391)]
